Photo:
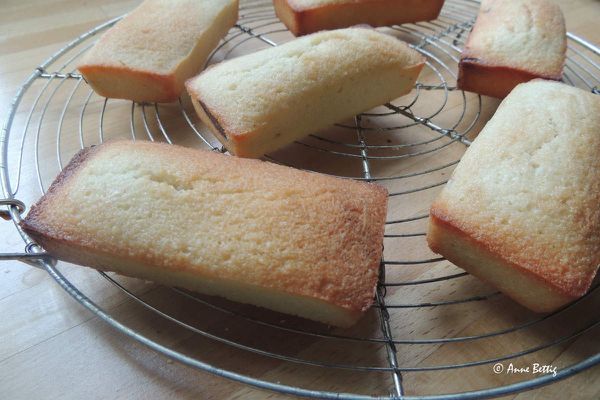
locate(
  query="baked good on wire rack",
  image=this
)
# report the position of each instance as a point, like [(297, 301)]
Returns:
[(297, 242), (521, 209), (302, 17), (149, 54), (262, 101), (513, 41)]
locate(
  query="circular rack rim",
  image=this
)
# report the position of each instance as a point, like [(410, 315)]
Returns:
[(33, 256)]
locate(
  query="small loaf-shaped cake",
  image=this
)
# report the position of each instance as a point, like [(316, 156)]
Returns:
[(262, 101), (149, 54), (307, 16), (513, 41), (521, 209), (297, 242)]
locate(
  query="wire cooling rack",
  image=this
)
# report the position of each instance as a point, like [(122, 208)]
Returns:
[(431, 322)]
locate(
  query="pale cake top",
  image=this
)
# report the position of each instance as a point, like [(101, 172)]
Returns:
[(528, 187), (255, 86), (528, 35), (219, 216), (144, 39)]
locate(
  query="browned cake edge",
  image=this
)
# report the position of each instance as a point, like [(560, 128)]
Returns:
[(32, 221), (474, 75), (77, 253), (522, 285), (289, 16), (214, 121), (152, 87)]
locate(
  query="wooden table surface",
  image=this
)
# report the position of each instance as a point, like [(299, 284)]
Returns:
[(51, 347)]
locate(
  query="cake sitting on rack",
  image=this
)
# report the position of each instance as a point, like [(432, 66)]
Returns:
[(296, 242), (307, 16), (521, 209), (513, 41), (149, 54), (262, 101)]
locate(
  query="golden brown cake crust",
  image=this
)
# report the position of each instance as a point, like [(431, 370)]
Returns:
[(535, 267), (240, 222), (513, 41), (303, 17), (481, 260), (490, 80), (526, 192), (161, 88)]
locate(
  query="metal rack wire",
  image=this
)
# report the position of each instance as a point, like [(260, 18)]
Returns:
[(410, 146)]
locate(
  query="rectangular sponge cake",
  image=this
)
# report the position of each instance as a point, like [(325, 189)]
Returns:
[(307, 16), (513, 41), (262, 101), (254, 232), (521, 209), (149, 54)]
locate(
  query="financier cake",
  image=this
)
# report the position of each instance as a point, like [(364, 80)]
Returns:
[(307, 16), (262, 101), (513, 41), (149, 54), (521, 208), (292, 241)]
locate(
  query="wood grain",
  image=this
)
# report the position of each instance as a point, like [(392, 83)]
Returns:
[(51, 347)]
